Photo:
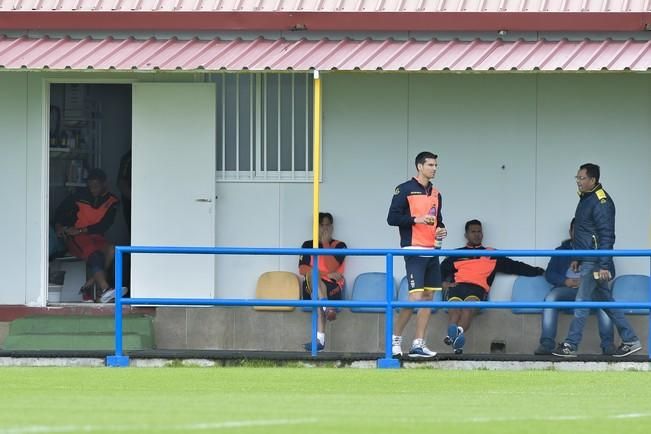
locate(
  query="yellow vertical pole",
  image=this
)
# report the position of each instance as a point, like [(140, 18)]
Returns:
[(316, 159), (316, 169)]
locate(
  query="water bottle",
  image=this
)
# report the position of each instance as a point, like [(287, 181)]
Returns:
[(439, 239)]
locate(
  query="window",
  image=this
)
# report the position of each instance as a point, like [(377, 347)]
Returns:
[(264, 126)]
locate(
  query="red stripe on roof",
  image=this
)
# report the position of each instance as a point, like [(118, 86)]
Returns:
[(329, 5), (130, 21), (323, 54)]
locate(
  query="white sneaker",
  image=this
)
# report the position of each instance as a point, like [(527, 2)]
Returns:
[(396, 346), (419, 349), (109, 295)]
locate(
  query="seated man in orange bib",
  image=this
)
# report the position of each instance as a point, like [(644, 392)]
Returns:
[(331, 273), (470, 279), (81, 220)]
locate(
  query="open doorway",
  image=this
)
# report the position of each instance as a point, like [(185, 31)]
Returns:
[(90, 128)]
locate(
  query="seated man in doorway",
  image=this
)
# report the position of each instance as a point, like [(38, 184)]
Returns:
[(470, 279), (566, 284), (81, 220), (331, 275)]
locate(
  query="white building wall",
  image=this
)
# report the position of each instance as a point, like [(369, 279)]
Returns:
[(603, 119), (509, 146), (13, 187)]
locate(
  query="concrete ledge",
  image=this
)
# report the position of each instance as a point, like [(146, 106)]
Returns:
[(240, 329), (159, 359)]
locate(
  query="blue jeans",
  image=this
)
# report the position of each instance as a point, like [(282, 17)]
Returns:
[(591, 289), (550, 320)]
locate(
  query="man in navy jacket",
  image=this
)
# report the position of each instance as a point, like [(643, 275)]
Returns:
[(595, 230), (566, 283)]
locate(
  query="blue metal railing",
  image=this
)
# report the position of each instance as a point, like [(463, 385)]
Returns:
[(119, 359)]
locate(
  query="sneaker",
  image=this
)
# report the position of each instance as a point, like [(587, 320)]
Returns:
[(419, 349), (626, 349), (459, 342), (396, 346), (88, 293), (109, 294), (453, 331), (564, 350), (543, 350), (319, 347)]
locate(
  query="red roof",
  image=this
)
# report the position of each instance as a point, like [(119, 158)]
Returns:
[(323, 54), (326, 15), (329, 5)]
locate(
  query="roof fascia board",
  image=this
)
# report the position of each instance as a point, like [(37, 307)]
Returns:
[(326, 21)]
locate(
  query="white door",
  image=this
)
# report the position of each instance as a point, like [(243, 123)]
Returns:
[(173, 188)]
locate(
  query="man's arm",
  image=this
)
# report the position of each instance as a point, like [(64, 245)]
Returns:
[(103, 225), (399, 214), (604, 219), (509, 266), (304, 267), (340, 258), (439, 218), (554, 273), (65, 214), (448, 269)]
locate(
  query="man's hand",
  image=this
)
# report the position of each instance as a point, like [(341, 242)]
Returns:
[(441, 232), (336, 276), (325, 235), (604, 275), (74, 231), (572, 283), (447, 285)]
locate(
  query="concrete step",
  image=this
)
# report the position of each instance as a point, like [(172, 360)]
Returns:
[(70, 342), (78, 332)]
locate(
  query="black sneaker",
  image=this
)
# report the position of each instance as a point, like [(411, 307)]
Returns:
[(543, 350), (319, 347), (564, 350), (627, 349)]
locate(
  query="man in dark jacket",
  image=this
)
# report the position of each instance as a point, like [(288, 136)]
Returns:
[(566, 283), (595, 230), (470, 279)]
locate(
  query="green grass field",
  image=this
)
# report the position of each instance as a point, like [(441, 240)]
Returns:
[(321, 400)]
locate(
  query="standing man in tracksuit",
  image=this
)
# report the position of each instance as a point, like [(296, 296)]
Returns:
[(595, 230), (416, 210)]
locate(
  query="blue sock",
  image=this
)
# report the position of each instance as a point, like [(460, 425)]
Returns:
[(452, 331)]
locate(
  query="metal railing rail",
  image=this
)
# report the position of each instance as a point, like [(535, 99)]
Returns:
[(119, 359)]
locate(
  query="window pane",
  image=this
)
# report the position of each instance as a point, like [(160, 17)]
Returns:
[(285, 132), (272, 122), (286, 107)]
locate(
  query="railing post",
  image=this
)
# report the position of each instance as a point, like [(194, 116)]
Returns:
[(388, 362), (315, 310), (118, 360)]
